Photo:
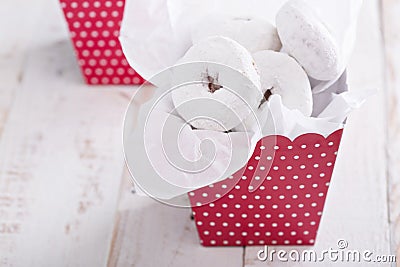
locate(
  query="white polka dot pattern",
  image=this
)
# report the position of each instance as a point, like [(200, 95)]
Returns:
[(279, 201), (94, 28)]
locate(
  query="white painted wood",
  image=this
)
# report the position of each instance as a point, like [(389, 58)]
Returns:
[(60, 153), (356, 208), (148, 233), (14, 44), (390, 16), (12, 55)]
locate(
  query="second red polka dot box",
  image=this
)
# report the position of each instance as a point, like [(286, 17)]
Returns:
[(94, 29), (276, 199)]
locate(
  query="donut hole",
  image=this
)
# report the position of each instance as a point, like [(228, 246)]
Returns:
[(266, 97), (213, 85)]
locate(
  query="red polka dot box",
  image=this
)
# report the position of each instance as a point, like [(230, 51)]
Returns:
[(276, 199), (94, 28)]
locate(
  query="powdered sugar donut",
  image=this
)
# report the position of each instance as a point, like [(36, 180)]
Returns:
[(215, 99), (307, 39), (253, 33), (282, 75)]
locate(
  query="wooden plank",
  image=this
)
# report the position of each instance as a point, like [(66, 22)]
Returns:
[(149, 233), (391, 26), (61, 156), (14, 44), (12, 55), (356, 208)]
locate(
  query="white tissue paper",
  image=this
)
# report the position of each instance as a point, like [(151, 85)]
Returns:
[(160, 146)]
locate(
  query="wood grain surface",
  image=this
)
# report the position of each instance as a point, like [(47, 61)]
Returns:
[(391, 31)]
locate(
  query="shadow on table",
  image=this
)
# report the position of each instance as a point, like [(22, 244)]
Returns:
[(55, 62)]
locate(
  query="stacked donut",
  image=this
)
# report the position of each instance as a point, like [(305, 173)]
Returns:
[(277, 60)]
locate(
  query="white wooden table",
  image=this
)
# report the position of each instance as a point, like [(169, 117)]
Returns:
[(65, 196)]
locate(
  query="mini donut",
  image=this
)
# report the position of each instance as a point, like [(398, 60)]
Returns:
[(253, 33), (282, 75), (210, 105), (308, 40)]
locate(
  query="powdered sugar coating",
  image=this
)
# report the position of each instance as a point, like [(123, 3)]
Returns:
[(226, 107), (308, 40), (282, 75), (254, 34)]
